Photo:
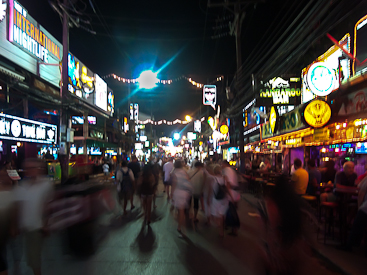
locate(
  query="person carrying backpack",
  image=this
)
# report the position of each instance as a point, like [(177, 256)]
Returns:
[(125, 180)]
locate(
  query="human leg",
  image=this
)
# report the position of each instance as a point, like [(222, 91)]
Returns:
[(196, 207), (148, 208)]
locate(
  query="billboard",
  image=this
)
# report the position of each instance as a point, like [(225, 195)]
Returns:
[(210, 95), (101, 93), (22, 129), (322, 76), (280, 91), (197, 126), (360, 46)]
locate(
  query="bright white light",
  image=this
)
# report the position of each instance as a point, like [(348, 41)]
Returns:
[(148, 80), (176, 136)]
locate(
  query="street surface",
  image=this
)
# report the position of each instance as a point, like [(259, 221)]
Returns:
[(126, 247)]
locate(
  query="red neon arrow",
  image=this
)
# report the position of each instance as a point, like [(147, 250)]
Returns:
[(340, 46)]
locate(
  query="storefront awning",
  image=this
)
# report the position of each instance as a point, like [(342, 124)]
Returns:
[(11, 73)]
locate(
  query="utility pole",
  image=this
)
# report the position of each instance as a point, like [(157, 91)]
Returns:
[(64, 119), (237, 9)]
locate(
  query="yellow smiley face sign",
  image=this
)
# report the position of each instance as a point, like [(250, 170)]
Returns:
[(317, 113)]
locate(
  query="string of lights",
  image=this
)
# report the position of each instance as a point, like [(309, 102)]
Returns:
[(162, 81), (163, 121)]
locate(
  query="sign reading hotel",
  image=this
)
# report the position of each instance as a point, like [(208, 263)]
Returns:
[(25, 33), (210, 95), (322, 76), (317, 113), (21, 129), (280, 91)]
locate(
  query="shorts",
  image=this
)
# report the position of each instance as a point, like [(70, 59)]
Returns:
[(125, 195), (33, 246), (106, 173), (196, 201), (167, 183)]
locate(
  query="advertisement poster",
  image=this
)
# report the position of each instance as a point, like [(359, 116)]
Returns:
[(101, 93), (210, 95)]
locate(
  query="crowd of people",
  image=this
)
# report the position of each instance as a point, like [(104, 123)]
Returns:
[(210, 186)]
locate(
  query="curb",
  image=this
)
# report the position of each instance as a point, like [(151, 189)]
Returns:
[(326, 259)]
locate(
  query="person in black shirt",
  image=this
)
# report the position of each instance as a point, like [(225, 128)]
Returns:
[(134, 166)]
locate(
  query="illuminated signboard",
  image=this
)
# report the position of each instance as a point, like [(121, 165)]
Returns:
[(360, 46), (293, 141), (21, 129), (110, 102), (101, 93), (25, 33), (131, 111), (272, 118), (80, 120), (136, 112), (280, 91), (126, 125), (224, 129), (191, 136), (197, 126), (322, 78), (317, 113), (210, 95), (81, 80)]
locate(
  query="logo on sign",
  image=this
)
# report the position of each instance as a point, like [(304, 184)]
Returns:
[(320, 79), (317, 113), (210, 95), (273, 119)]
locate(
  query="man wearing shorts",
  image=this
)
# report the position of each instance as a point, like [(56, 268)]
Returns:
[(167, 169), (125, 178)]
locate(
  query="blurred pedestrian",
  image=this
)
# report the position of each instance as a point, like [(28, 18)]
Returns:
[(197, 177), (167, 169), (219, 202), (106, 170), (33, 195), (146, 186), (181, 192), (359, 168), (314, 178), (7, 216), (125, 178)]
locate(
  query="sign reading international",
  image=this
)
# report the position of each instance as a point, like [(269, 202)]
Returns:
[(280, 91), (25, 33), (317, 113), (210, 95), (22, 129)]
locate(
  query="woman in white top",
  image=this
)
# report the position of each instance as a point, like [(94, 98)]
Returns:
[(219, 206), (181, 190)]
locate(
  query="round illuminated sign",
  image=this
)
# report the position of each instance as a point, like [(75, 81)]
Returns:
[(320, 79), (317, 113), (224, 129), (16, 128)]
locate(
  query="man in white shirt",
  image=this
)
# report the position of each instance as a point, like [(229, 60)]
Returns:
[(167, 169), (231, 176), (33, 195)]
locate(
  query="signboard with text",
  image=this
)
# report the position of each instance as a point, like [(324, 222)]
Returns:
[(101, 93), (280, 91), (210, 95), (22, 129), (360, 46)]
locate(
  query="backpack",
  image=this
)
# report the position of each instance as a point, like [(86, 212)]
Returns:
[(221, 191), (125, 183)]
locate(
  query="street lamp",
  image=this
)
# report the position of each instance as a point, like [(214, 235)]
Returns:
[(176, 136), (188, 118), (148, 80)]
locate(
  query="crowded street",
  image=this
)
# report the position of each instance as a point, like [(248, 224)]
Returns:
[(183, 137), (128, 247)]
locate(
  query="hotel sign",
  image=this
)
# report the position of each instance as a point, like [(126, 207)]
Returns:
[(25, 33), (22, 129)]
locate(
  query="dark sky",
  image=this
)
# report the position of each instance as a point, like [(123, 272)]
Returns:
[(135, 35)]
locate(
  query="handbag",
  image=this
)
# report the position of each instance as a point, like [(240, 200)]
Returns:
[(221, 191), (232, 219)]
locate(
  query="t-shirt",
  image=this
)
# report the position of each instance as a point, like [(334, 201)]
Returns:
[(105, 168), (313, 174), (197, 179), (300, 179), (231, 175), (135, 167), (33, 199), (167, 169), (343, 179), (124, 170)]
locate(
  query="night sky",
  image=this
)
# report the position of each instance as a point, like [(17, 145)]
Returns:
[(135, 35)]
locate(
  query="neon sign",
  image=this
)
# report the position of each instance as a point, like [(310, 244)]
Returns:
[(317, 113), (21, 129), (25, 33)]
